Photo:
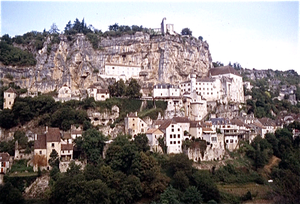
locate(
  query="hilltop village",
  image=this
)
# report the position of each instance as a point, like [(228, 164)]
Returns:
[(129, 106)]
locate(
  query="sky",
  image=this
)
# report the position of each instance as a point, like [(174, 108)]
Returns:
[(255, 34)]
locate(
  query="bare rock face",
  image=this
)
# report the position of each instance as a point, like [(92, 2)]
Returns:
[(163, 59)]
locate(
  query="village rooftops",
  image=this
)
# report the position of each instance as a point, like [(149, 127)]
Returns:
[(103, 91), (205, 79), (195, 124), (40, 142), (181, 119), (53, 135), (223, 70), (267, 122)]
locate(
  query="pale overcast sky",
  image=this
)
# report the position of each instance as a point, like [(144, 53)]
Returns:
[(257, 34)]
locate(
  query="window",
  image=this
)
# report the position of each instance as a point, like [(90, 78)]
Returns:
[(171, 142), (211, 93), (52, 145), (142, 125), (213, 139), (40, 152), (171, 136), (226, 141), (231, 141), (172, 130), (178, 135), (8, 95), (174, 142), (178, 129), (178, 142)]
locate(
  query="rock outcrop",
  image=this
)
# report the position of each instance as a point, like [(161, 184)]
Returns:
[(168, 58)]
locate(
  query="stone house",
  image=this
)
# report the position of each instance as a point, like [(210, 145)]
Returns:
[(232, 83), (195, 129), (209, 88), (9, 98), (44, 145), (165, 91), (98, 94), (134, 125), (4, 162), (122, 70), (153, 134), (173, 134)]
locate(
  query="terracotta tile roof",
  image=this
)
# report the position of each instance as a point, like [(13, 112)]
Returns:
[(132, 115), (53, 135), (165, 124), (158, 122), (67, 135), (223, 70), (237, 122), (40, 143), (150, 131), (66, 146), (181, 119), (4, 157), (11, 90)]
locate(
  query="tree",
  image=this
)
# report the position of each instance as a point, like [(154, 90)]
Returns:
[(54, 159), (169, 196), (133, 89), (186, 31), (141, 141), (200, 38), (10, 195), (206, 186), (192, 196), (92, 144), (54, 29), (114, 27)]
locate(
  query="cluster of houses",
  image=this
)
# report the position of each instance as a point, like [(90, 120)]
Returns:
[(218, 133)]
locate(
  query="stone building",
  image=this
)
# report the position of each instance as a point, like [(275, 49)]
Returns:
[(135, 125), (232, 83), (9, 98)]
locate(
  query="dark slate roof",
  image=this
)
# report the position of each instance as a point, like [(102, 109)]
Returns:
[(223, 70), (237, 122), (165, 124), (219, 121), (40, 143), (267, 122), (53, 135), (4, 157)]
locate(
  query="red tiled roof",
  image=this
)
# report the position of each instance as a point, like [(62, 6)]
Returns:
[(40, 143), (4, 157), (53, 135), (223, 70), (165, 124), (67, 135), (66, 146), (181, 119)]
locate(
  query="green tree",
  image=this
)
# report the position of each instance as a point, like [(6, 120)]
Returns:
[(92, 144), (10, 195), (54, 159), (133, 89), (192, 196), (186, 31), (169, 196), (141, 141)]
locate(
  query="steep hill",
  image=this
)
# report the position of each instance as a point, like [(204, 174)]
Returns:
[(162, 58)]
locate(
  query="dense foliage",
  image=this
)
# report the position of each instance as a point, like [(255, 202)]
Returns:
[(130, 89)]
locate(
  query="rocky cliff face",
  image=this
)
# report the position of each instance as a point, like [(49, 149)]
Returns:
[(166, 59)]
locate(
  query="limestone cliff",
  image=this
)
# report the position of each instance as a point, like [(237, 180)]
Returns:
[(168, 58)]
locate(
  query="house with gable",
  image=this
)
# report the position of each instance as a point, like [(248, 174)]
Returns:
[(153, 134), (134, 125), (44, 144), (4, 162), (99, 94), (9, 98), (232, 83), (173, 134)]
